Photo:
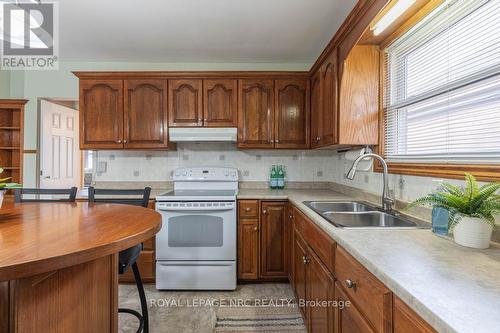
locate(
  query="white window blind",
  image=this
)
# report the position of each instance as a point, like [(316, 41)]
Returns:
[(442, 87)]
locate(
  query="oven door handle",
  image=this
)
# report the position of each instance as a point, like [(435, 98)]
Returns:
[(194, 209)]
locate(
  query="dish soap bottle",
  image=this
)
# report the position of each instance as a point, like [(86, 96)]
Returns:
[(281, 177), (274, 177)]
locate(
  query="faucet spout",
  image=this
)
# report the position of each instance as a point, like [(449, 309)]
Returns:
[(387, 201)]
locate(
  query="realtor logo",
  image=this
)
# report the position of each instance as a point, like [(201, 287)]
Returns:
[(29, 36)]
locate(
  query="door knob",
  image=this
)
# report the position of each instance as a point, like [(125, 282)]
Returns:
[(264, 211), (119, 141), (350, 284), (124, 141), (248, 209), (255, 228)]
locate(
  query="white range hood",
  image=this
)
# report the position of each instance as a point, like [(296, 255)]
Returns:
[(192, 134)]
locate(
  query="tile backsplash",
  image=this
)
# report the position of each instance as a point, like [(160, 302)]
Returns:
[(253, 165)]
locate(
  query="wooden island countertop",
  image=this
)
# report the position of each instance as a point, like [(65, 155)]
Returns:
[(59, 263)]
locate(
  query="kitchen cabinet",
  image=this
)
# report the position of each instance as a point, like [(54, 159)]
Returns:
[(145, 120), (101, 109), (123, 114), (292, 116), (274, 114), (185, 107), (405, 320), (370, 297), (220, 103), (348, 319), (256, 114), (299, 270), (359, 97), (324, 104), (290, 216), (248, 249), (274, 241)]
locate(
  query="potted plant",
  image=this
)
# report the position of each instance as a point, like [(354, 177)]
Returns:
[(472, 210), (4, 186)]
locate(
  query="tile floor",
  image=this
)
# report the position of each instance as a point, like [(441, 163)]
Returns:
[(182, 311)]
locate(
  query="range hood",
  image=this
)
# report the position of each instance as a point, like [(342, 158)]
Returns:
[(191, 134)]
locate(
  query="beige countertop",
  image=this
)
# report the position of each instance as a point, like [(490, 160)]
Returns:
[(454, 288)]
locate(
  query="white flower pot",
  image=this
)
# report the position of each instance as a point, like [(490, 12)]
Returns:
[(473, 232), (2, 192)]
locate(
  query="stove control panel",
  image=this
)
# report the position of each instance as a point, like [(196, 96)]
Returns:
[(206, 174)]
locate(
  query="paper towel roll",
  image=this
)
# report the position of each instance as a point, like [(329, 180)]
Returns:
[(353, 154)]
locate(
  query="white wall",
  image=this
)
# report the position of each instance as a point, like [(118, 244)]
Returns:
[(4, 84)]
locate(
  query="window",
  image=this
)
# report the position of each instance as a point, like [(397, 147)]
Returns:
[(442, 87)]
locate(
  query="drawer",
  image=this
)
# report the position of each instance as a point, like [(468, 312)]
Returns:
[(248, 208), (322, 244), (369, 295), (146, 264)]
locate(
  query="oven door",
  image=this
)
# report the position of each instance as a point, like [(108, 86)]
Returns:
[(197, 231)]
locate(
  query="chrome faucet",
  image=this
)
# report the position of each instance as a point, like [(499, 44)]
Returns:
[(387, 201)]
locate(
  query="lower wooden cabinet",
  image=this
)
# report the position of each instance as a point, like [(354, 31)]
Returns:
[(348, 319), (248, 249), (263, 241), (405, 320), (299, 269)]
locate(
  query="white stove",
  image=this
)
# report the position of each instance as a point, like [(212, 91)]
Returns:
[(196, 247)]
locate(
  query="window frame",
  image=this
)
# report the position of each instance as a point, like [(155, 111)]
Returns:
[(484, 172)]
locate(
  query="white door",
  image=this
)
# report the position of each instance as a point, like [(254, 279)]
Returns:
[(59, 153)]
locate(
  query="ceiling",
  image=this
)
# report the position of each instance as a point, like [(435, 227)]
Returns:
[(199, 31)]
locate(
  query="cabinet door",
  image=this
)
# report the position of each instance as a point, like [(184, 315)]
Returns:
[(274, 242), (101, 114), (220, 104), (292, 115), (290, 215), (145, 114), (299, 268), (185, 103), (316, 110), (320, 287), (347, 318), (256, 114), (359, 97), (329, 90), (248, 249), (405, 320)]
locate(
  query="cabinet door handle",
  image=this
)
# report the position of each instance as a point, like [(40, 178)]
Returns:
[(119, 141), (200, 120), (318, 138), (205, 120), (272, 141), (255, 228), (264, 211), (124, 141), (305, 259), (248, 209), (277, 141), (291, 217), (350, 284)]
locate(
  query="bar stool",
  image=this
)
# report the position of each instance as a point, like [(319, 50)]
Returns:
[(128, 258)]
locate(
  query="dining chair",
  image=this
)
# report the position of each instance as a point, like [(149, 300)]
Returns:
[(128, 258), (45, 195)]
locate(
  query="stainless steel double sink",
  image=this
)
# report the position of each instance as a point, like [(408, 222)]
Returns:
[(354, 214)]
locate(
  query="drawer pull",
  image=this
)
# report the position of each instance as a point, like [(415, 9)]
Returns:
[(255, 228), (248, 209), (350, 284), (305, 259)]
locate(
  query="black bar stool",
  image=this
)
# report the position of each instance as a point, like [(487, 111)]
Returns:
[(38, 192), (128, 258)]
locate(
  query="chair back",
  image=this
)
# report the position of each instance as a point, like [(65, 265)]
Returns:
[(43, 194), (127, 197)]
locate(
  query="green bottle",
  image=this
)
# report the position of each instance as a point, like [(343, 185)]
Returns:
[(274, 177), (281, 177)]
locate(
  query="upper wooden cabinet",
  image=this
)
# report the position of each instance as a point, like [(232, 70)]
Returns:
[(117, 114), (101, 109), (273, 114), (145, 116), (220, 103), (359, 97), (324, 104), (185, 103), (256, 114), (292, 114)]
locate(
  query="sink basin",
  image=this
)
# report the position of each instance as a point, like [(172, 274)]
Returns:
[(339, 206), (368, 220), (353, 214)]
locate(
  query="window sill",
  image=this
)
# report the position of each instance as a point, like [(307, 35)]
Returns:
[(454, 171)]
